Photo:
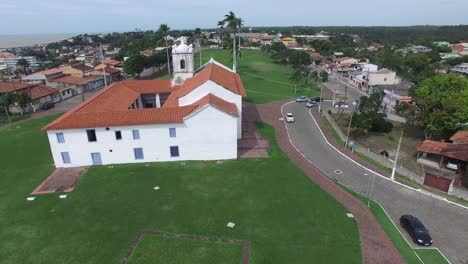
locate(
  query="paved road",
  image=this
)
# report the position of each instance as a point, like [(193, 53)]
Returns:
[(448, 224)]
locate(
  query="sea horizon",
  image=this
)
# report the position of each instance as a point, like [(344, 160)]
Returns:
[(26, 40)]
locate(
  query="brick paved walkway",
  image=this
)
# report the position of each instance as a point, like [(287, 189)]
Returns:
[(375, 244), (61, 180), (251, 145)]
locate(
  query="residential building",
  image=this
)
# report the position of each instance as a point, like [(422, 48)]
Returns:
[(418, 49), (71, 85), (449, 55), (441, 44), (461, 69), (289, 42), (12, 62), (194, 116), (38, 93), (109, 63), (374, 47), (112, 74), (42, 76), (460, 48), (444, 163), (395, 95), (79, 70), (345, 61)]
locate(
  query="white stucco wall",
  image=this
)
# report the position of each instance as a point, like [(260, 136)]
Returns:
[(383, 78), (209, 134), (219, 91)]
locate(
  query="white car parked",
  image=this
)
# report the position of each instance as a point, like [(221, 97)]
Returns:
[(290, 118)]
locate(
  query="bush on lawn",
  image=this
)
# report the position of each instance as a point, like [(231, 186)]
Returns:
[(381, 125)]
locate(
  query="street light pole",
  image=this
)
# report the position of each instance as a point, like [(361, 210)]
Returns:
[(396, 157), (370, 188), (321, 97)]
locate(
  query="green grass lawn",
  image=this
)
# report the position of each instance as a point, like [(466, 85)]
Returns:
[(157, 249), (264, 80), (286, 217)]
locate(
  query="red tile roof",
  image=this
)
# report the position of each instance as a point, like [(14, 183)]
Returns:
[(212, 72), (461, 136), (217, 102), (35, 91), (50, 71), (6, 87), (39, 91), (82, 68), (455, 151), (72, 80), (112, 105), (431, 146), (109, 71)]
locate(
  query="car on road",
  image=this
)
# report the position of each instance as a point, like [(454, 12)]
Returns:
[(317, 99), (342, 104), (47, 106), (290, 118), (311, 104), (302, 99), (416, 230)]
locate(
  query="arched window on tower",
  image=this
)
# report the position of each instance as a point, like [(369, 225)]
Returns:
[(182, 64)]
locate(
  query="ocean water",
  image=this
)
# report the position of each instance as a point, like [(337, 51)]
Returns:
[(12, 41)]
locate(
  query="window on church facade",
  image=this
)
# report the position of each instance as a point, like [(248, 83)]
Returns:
[(182, 64)]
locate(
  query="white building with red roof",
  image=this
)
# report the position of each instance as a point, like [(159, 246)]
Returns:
[(185, 118)]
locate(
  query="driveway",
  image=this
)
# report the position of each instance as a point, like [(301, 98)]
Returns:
[(447, 223)]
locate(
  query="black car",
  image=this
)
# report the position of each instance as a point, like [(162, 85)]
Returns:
[(416, 229), (47, 106), (317, 99)]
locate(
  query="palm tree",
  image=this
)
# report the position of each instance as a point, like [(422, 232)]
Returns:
[(221, 26), (233, 23)]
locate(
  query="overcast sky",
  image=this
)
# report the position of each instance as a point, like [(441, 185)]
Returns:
[(78, 16)]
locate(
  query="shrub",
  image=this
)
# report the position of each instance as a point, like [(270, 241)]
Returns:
[(381, 125)]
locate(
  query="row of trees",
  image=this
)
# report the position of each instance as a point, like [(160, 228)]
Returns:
[(135, 65)]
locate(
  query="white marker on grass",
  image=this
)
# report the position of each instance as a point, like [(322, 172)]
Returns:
[(63, 196), (230, 225), (156, 188), (31, 198)]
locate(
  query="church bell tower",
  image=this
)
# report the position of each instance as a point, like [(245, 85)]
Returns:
[(182, 61)]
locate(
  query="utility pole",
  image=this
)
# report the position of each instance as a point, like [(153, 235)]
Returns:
[(370, 188), (396, 156), (349, 128), (321, 97), (103, 68), (167, 54)]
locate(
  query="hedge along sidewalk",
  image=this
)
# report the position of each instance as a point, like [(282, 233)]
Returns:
[(361, 156), (399, 240)]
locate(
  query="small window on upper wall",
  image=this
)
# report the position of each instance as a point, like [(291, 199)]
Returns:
[(118, 135), (172, 132), (182, 64), (60, 138), (136, 134), (91, 135)]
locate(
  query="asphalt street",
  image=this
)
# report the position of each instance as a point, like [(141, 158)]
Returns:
[(447, 223)]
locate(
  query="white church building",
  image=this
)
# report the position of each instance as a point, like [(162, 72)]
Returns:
[(194, 116)]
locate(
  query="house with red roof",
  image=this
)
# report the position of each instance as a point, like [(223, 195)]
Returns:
[(39, 94), (196, 115), (445, 162)]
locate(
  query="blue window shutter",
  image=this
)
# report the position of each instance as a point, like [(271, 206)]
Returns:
[(138, 152), (65, 157), (174, 151), (172, 132), (60, 138), (136, 134)]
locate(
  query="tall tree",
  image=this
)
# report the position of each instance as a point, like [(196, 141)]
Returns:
[(134, 65), (442, 104), (221, 27), (164, 28), (233, 23)]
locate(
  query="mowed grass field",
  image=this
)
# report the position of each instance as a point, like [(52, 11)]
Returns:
[(157, 249), (286, 217), (264, 80)]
